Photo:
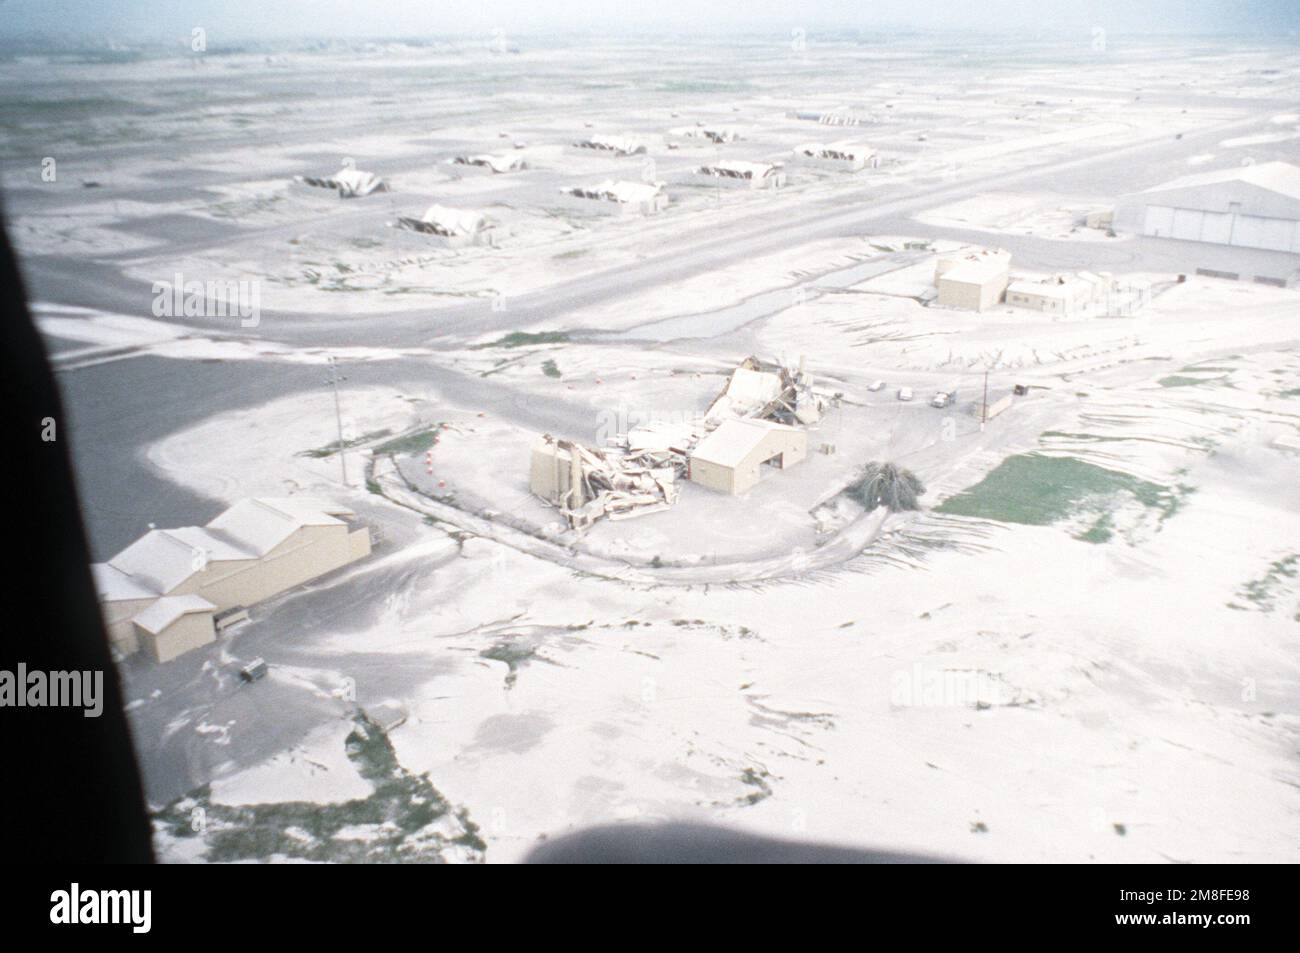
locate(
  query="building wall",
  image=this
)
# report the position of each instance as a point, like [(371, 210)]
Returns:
[(970, 295), (713, 475), (792, 445), (117, 620), (310, 552), (548, 472), (190, 631)]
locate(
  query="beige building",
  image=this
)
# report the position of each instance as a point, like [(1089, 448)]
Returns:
[(731, 459), (973, 282), (162, 591)]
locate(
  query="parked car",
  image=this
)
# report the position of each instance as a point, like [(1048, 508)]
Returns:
[(904, 393), (943, 398), (877, 385)]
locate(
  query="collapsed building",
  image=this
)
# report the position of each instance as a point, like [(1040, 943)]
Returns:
[(494, 161), (587, 484), (643, 197), (348, 182), (718, 135), (641, 470), (849, 156), (614, 145), (452, 226), (748, 175), (831, 118)]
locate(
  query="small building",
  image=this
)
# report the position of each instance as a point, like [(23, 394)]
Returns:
[(1063, 294), (745, 175), (348, 182), (173, 625), (611, 145), (453, 227), (733, 458), (645, 198), (496, 163), (163, 592), (974, 281), (845, 156), (1250, 206)]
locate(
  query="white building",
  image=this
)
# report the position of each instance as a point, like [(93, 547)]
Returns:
[(1062, 294), (974, 281), (745, 175), (453, 227), (162, 592), (847, 156), (1251, 206), (733, 458), (639, 197)]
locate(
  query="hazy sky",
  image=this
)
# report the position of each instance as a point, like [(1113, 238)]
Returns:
[(237, 20)]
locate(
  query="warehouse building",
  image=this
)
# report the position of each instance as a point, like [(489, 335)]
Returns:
[(974, 281), (743, 175), (1251, 206), (733, 458), (164, 591)]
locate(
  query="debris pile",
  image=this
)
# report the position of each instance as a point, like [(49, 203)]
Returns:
[(586, 484), (768, 391)]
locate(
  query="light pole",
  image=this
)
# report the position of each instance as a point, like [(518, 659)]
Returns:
[(334, 379), (984, 414)]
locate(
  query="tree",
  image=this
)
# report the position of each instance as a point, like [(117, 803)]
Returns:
[(885, 484)]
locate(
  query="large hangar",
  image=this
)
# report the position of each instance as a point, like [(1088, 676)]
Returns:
[(1251, 206)]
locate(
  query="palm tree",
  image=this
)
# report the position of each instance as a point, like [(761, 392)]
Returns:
[(886, 484)]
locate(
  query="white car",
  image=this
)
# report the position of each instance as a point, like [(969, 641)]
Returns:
[(904, 393), (878, 385), (941, 399)]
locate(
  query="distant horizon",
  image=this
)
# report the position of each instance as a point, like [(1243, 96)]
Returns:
[(99, 23)]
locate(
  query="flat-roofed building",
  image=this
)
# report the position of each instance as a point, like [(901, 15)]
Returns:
[(974, 281)]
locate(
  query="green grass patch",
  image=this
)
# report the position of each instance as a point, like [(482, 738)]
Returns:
[(417, 442), (333, 448), (1037, 490), (1262, 592), (526, 338), (395, 815)]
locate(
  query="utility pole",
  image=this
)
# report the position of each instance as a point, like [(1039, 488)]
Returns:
[(984, 414), (334, 380)]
